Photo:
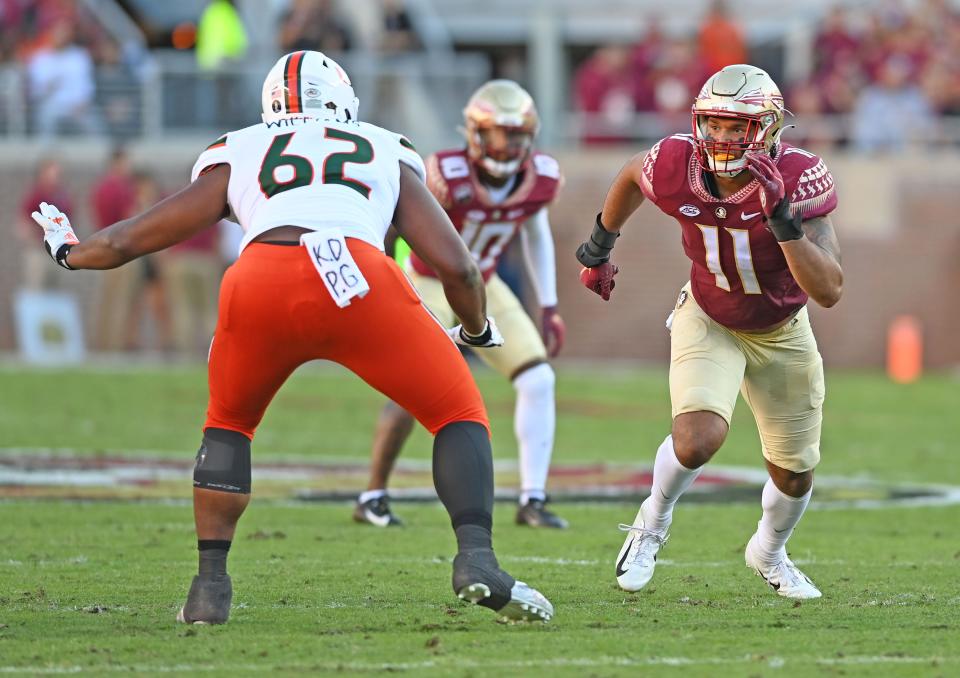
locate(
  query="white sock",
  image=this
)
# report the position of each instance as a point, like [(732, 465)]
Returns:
[(371, 494), (781, 513), (534, 422), (670, 480)]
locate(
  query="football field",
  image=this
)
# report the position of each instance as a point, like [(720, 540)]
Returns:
[(94, 567)]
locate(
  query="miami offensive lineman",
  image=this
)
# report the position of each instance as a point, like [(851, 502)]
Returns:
[(315, 190), (754, 213), (495, 189)]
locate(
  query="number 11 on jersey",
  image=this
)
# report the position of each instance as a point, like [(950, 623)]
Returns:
[(741, 253)]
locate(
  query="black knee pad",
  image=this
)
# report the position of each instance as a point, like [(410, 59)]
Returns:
[(223, 462)]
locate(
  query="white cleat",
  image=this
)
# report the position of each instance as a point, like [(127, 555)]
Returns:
[(638, 555), (526, 604), (785, 578)]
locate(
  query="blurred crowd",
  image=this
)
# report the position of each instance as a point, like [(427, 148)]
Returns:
[(164, 302), (892, 67), (77, 77)]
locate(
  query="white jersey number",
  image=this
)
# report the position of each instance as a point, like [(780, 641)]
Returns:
[(486, 241), (741, 253)]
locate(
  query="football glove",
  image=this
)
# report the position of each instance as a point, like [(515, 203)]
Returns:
[(596, 250), (773, 201), (554, 331), (599, 279), (489, 338), (58, 235)]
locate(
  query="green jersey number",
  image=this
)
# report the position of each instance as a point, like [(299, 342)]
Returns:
[(301, 169)]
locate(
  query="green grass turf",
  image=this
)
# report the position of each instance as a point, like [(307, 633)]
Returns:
[(95, 586), (872, 428)]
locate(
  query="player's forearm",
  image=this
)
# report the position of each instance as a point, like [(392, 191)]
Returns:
[(816, 271), (540, 259), (108, 248), (467, 297)]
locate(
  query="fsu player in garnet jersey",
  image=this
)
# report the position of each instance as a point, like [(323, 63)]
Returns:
[(754, 213), (494, 189)]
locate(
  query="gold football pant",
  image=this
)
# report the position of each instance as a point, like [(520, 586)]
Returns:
[(779, 373)]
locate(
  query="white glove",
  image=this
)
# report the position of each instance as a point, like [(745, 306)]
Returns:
[(58, 235), (489, 338)]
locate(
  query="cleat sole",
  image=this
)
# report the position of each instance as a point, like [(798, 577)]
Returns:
[(474, 593)]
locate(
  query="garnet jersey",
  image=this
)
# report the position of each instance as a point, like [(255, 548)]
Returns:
[(739, 275), (486, 227), (313, 173)]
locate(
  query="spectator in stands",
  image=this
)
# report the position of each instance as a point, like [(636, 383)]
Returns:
[(678, 76), (813, 131), (150, 297), (720, 40), (893, 112), (61, 84), (193, 270), (114, 198), (398, 34), (311, 24), (603, 88), (119, 92), (221, 41), (221, 36), (646, 53), (835, 41), (11, 18), (47, 186)]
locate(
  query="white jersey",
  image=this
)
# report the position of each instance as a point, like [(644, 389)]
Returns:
[(314, 174)]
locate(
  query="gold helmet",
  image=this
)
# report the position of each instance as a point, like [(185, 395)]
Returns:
[(744, 93), (501, 122)]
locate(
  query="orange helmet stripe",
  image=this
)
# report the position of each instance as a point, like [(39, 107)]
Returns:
[(292, 84)]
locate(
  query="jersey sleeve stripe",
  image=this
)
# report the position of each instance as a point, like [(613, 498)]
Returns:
[(222, 141), (406, 143), (291, 83)]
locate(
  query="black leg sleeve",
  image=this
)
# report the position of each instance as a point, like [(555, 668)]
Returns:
[(463, 476)]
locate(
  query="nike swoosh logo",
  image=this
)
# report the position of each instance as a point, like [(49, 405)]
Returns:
[(781, 531), (747, 217), (626, 552), (379, 521)]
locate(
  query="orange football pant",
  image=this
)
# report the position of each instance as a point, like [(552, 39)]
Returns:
[(275, 314)]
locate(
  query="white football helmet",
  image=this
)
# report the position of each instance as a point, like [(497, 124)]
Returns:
[(311, 84), (501, 122), (744, 93)]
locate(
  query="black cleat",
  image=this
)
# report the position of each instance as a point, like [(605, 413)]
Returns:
[(208, 601), (536, 514), (478, 579), (376, 512)]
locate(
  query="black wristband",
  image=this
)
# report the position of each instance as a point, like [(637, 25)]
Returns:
[(784, 226), (61, 255), (478, 339), (596, 250)]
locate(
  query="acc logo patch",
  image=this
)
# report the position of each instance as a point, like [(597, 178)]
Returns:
[(311, 92), (276, 106), (682, 298), (689, 210), (721, 212), (462, 193)]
